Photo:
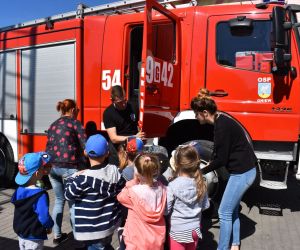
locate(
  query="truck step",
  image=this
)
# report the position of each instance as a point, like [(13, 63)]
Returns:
[(271, 184), (270, 209)]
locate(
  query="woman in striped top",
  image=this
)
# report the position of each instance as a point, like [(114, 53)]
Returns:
[(186, 199)]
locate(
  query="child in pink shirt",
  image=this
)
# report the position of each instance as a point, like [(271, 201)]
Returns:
[(145, 199)]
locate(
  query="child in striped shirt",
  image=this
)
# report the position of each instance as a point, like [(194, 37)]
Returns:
[(186, 199), (94, 191)]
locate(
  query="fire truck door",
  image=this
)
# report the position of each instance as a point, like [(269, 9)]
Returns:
[(160, 69), (238, 71)]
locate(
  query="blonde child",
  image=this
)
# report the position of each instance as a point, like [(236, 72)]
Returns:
[(145, 199), (32, 221), (186, 199)]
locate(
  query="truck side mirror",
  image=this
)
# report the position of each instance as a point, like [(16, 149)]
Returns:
[(281, 57), (281, 40)]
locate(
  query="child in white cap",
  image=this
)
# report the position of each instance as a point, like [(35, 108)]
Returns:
[(94, 191), (32, 221)]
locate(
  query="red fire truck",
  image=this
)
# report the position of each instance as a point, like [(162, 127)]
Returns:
[(162, 52)]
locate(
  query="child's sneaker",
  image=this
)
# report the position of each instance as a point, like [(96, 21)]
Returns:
[(120, 238), (61, 239), (119, 233)]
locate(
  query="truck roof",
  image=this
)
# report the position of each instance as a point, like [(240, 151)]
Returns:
[(126, 7), (114, 8)]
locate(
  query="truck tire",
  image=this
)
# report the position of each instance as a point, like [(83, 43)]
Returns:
[(183, 131), (8, 167)]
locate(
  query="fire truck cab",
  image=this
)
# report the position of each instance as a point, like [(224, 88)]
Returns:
[(162, 52)]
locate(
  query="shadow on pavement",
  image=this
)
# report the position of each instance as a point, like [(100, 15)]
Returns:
[(247, 226), (272, 202), (208, 240)]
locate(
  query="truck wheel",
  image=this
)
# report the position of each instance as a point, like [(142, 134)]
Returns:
[(7, 165), (186, 130)]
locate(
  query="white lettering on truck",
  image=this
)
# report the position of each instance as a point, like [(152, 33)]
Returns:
[(110, 78), (159, 72), (155, 72)]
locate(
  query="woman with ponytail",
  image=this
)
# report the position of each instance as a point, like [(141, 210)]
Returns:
[(66, 142), (233, 150), (186, 199)]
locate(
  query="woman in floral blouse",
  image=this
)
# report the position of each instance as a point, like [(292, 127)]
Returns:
[(66, 140)]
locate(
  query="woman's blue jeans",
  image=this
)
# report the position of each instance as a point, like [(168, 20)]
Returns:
[(56, 177), (229, 208)]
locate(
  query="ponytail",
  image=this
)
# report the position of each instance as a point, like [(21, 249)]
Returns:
[(65, 106), (59, 106), (148, 167), (200, 184), (204, 93)]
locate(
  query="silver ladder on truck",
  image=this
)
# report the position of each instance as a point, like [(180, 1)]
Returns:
[(115, 8)]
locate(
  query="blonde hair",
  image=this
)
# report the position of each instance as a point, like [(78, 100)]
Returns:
[(203, 101), (187, 161), (148, 167), (65, 106)]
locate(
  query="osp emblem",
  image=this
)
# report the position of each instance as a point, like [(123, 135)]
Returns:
[(264, 89)]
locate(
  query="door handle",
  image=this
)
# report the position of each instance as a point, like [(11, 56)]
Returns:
[(218, 93)]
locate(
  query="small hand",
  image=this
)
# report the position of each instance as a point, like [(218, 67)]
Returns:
[(141, 135), (171, 178)]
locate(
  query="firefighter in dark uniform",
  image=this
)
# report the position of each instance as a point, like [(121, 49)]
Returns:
[(120, 122)]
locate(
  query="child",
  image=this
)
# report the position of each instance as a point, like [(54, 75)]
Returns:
[(145, 199), (127, 154), (186, 199), (94, 191), (133, 147), (32, 221)]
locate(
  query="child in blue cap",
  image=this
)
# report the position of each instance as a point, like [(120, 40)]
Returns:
[(32, 221), (94, 191)]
